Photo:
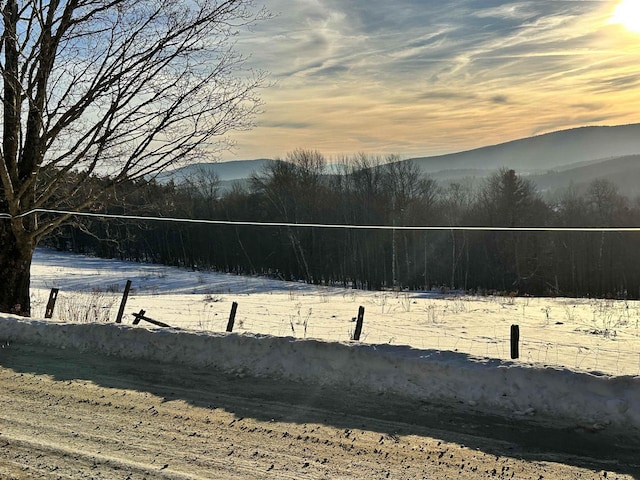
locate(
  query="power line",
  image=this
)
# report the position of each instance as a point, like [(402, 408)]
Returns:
[(323, 225)]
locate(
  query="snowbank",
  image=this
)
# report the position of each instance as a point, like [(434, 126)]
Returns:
[(593, 401)]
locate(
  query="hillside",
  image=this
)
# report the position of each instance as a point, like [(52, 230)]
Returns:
[(543, 152), (624, 172), (552, 160), (226, 171)]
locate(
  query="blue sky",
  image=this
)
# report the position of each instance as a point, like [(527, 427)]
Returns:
[(417, 78)]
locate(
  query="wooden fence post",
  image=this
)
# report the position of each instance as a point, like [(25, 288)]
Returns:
[(232, 317), (515, 341), (137, 317), (125, 295), (356, 334), (48, 313), (140, 316)]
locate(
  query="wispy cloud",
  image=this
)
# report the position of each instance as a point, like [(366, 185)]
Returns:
[(419, 77)]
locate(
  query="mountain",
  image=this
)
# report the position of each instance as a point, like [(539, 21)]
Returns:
[(543, 152), (227, 172), (551, 160), (624, 172)]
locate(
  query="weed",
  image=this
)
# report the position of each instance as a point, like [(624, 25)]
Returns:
[(363, 335), (607, 320), (92, 307), (457, 304), (324, 298), (381, 301), (509, 299), (433, 315), (300, 319), (569, 312), (210, 298), (405, 302)]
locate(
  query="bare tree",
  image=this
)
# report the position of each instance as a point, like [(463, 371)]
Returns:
[(203, 185), (294, 187), (116, 88), (509, 200)]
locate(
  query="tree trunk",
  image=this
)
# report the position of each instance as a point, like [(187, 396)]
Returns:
[(15, 272)]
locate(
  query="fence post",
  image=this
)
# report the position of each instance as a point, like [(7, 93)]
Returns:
[(356, 334), (515, 340), (125, 295), (48, 313), (138, 316), (232, 317)]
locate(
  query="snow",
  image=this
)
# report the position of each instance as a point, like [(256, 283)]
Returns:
[(579, 362)]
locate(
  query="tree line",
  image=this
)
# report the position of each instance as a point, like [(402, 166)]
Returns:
[(369, 191)]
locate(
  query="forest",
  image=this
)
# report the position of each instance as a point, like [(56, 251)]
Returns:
[(370, 191)]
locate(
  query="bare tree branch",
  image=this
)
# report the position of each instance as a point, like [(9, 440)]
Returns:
[(116, 88)]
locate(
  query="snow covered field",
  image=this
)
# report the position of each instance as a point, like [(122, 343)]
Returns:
[(580, 334), (452, 349)]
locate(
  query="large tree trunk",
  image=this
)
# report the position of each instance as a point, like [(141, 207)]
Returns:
[(15, 273)]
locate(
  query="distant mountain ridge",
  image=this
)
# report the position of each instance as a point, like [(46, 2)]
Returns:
[(551, 160), (226, 171), (624, 172), (543, 152)]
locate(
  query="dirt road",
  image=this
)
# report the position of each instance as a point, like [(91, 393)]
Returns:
[(66, 415)]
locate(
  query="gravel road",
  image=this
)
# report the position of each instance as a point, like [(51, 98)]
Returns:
[(71, 415)]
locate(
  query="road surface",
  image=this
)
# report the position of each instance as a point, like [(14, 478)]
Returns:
[(71, 415)]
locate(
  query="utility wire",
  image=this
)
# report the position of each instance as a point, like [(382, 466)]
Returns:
[(324, 225)]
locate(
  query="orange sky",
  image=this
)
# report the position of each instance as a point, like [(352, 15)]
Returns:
[(418, 78)]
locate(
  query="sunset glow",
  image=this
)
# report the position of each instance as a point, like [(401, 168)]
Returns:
[(425, 78), (627, 13)]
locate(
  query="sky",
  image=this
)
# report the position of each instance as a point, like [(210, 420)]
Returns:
[(424, 77)]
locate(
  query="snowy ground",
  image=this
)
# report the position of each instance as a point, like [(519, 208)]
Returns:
[(580, 334), (442, 348)]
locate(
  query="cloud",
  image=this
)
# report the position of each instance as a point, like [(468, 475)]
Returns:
[(286, 125), (588, 106), (499, 99), (424, 71), (447, 95), (615, 84)]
